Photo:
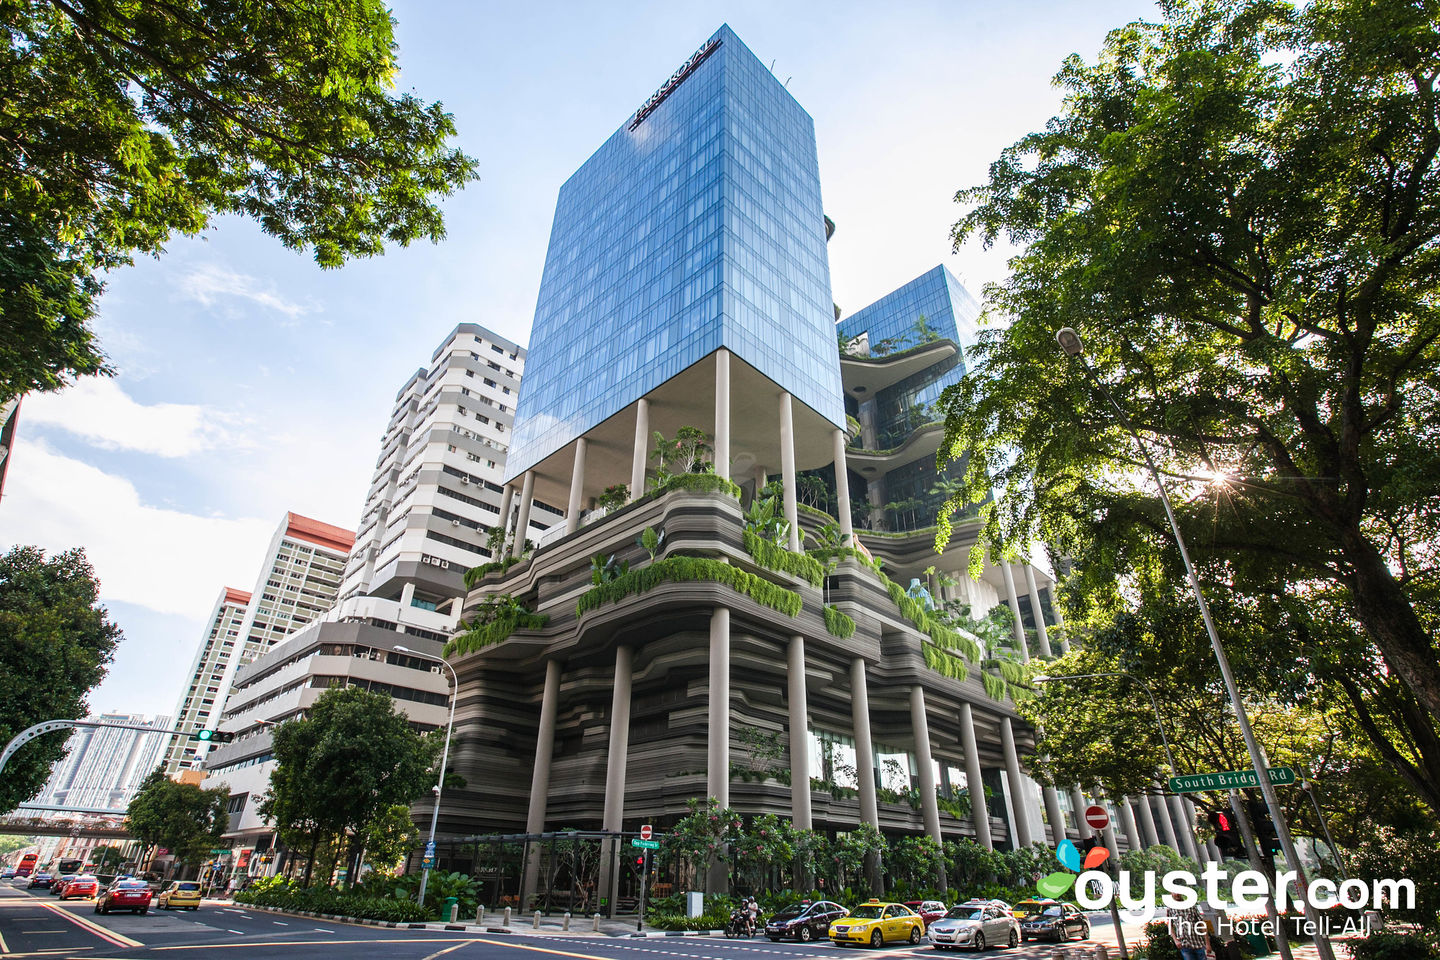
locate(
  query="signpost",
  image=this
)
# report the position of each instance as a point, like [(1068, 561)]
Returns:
[(646, 831), (1229, 780), (646, 842), (427, 862), (1097, 817)]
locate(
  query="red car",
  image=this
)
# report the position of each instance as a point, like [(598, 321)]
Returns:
[(132, 895), (82, 886), (929, 910)]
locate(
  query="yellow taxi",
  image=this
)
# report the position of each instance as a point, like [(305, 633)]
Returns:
[(875, 923), (179, 895)]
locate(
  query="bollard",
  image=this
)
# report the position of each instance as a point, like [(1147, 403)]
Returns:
[(1102, 952), (507, 918), (596, 928), (565, 923), (480, 915), (537, 920), (1059, 954), (454, 912)]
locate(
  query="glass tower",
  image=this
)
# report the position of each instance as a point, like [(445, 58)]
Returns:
[(697, 225)]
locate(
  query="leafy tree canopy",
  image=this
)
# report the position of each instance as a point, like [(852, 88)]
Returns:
[(127, 122), (1238, 210), (55, 642), (178, 816)]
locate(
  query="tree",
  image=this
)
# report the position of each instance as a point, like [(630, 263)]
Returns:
[(181, 817), (340, 770), (390, 837), (55, 642), (1239, 208), (128, 122), (106, 859)]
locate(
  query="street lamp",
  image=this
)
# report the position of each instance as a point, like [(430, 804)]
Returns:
[(1069, 342), (444, 757)]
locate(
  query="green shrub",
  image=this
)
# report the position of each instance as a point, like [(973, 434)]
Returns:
[(776, 557), (838, 622), (696, 483), (332, 901), (495, 631), (681, 569), (1385, 945), (475, 574)]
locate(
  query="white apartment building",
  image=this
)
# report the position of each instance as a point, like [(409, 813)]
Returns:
[(104, 767), (298, 582), (436, 490)]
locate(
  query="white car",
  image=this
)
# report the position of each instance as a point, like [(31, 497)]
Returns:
[(974, 925)]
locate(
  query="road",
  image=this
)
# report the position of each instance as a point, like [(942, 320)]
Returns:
[(36, 925)]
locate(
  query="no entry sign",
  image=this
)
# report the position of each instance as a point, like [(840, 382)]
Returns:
[(1097, 817), (645, 832)]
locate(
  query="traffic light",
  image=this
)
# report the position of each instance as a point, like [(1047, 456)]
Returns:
[(1265, 835), (1227, 838), (639, 864), (1086, 845), (212, 736)]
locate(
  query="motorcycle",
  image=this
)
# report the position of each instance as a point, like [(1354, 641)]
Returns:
[(739, 925)]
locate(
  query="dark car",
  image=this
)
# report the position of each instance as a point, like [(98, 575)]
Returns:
[(57, 886), (1059, 921), (40, 880), (804, 921), (929, 910), (132, 895)]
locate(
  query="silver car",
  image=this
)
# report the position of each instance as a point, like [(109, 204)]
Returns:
[(974, 925)]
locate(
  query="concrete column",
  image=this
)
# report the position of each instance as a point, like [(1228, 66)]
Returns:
[(1184, 828), (1012, 770), (920, 724), (522, 522), (1055, 814), (1127, 823), (407, 593), (614, 813), (1167, 826), (1148, 834), (842, 491), (787, 469), (722, 413), (864, 760), (717, 780), (1039, 612), (799, 735), (642, 449), (540, 776), (974, 783), (1111, 841), (1014, 601), (1204, 848), (761, 478), (505, 500), (577, 488), (1078, 805), (1060, 622)]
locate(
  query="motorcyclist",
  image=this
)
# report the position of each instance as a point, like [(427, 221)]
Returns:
[(752, 916)]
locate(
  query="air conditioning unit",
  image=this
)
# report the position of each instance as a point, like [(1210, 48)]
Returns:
[(454, 523), (435, 669), (465, 480)]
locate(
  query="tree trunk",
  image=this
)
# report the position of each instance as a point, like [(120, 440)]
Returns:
[(1389, 619), (310, 860)]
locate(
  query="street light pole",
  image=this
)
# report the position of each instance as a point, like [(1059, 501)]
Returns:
[(1069, 341), (444, 756)]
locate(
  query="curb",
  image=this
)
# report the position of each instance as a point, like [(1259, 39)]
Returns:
[(680, 933), (390, 924)]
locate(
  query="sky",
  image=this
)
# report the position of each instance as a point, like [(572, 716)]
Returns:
[(250, 382)]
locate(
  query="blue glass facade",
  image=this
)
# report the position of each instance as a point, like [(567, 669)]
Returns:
[(701, 227)]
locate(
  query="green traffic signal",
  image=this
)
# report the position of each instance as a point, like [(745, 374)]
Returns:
[(209, 736)]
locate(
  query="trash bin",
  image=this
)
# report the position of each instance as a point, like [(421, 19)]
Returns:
[(452, 905), (1258, 944)]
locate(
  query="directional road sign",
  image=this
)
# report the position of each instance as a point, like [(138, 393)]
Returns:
[(645, 831), (646, 844), (430, 848), (1229, 779), (1097, 816)]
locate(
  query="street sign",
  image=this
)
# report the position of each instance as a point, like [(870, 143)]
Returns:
[(218, 851), (1097, 817), (646, 844), (427, 863), (645, 831), (1229, 780), (430, 849)]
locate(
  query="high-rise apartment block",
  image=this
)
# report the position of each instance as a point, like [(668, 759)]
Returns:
[(436, 490), (103, 767), (299, 580)]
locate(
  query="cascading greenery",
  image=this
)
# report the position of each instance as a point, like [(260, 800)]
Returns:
[(681, 569), (494, 620), (475, 574), (943, 663), (838, 622), (995, 686), (776, 557)]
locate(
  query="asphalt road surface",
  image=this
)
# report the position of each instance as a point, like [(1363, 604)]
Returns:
[(36, 925)]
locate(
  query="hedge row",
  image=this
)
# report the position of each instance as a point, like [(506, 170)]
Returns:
[(331, 901)]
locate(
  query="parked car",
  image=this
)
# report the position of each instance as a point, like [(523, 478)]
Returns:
[(42, 880), (1024, 908), (876, 923), (804, 921), (83, 886), (929, 910), (179, 895), (977, 925), (1056, 922), (132, 895)]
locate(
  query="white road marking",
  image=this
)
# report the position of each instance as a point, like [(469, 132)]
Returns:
[(323, 930), (237, 933), (279, 924)]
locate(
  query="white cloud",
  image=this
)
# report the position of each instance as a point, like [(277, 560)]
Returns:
[(211, 282), (98, 410), (162, 559)]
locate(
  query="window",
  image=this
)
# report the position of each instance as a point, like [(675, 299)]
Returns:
[(237, 803)]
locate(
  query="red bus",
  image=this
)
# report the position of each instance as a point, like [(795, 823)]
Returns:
[(27, 865)]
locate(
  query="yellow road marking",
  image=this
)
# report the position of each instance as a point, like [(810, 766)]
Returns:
[(522, 946), (3, 948), (118, 939), (306, 943), (441, 953)]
